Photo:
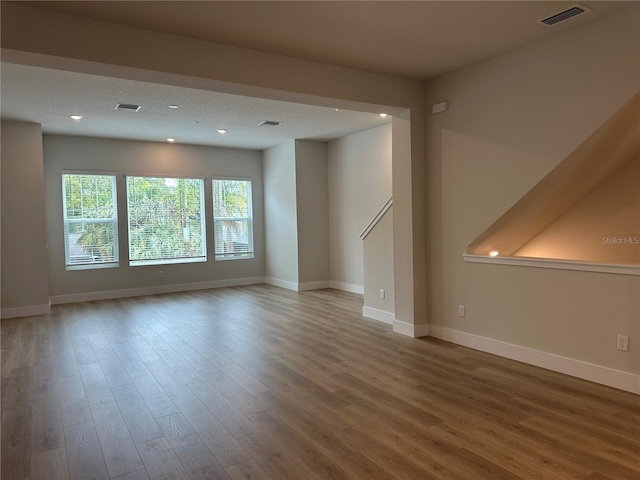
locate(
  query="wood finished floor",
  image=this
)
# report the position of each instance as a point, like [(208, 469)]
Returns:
[(263, 383)]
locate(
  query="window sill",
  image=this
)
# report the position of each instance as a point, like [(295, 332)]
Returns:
[(172, 261), (225, 259), (621, 269), (91, 266)]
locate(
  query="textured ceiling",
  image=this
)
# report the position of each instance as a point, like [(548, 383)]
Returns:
[(49, 97)]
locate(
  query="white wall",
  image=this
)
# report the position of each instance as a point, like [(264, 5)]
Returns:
[(281, 229), (378, 271), (511, 120), (312, 197), (359, 185), (131, 157), (25, 283)]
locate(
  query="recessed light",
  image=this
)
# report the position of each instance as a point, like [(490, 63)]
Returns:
[(221, 130), (76, 117), (337, 109), (171, 140), (494, 253), (383, 115), (174, 106)]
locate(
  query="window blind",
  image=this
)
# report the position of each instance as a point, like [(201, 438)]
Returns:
[(232, 219), (90, 220), (166, 220)]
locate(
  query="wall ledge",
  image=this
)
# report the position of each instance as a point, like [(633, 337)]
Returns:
[(155, 290), (620, 269), (576, 368)]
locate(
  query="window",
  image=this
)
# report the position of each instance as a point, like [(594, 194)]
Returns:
[(166, 221), (232, 219), (90, 221)]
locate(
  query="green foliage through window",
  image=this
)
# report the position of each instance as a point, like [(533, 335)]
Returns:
[(233, 219), (166, 221), (90, 219)]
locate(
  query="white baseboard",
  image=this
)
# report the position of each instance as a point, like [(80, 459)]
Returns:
[(576, 368), (138, 292), (380, 315), (30, 311), (410, 330), (303, 287), (347, 287), (281, 283)]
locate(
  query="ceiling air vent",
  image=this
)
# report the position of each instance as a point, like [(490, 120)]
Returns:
[(269, 123), (128, 106), (563, 15)]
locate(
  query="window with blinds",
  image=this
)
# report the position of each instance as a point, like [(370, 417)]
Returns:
[(232, 219), (166, 220), (90, 221)]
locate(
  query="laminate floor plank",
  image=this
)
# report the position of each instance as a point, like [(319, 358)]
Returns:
[(95, 384), (152, 393), (16, 443), (160, 461), (259, 382), (66, 364), (115, 440), (46, 429), (227, 414), (276, 461), (238, 396), (137, 475), (113, 369), (73, 400), (84, 351), (17, 390), (295, 443), (50, 464), (99, 343), (250, 470), (167, 379), (142, 348), (194, 455), (304, 423), (139, 419), (181, 367), (218, 439), (84, 455), (128, 357)]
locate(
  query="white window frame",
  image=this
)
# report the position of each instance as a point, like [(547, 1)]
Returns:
[(169, 260), (69, 221), (251, 251)]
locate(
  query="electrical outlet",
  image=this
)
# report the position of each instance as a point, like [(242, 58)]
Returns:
[(381, 293), (623, 343), (277, 268), (161, 273), (461, 311)]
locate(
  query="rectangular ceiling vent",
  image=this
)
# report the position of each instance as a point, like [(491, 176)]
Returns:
[(128, 106), (269, 123), (563, 15)]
